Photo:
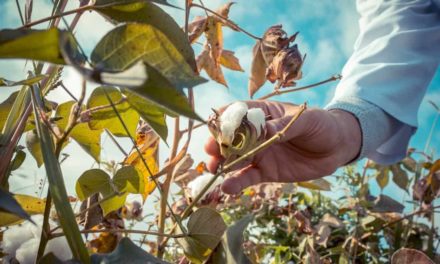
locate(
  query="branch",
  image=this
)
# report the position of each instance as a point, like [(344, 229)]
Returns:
[(278, 92), (130, 231), (226, 21)]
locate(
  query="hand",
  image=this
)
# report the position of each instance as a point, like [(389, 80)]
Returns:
[(314, 146)]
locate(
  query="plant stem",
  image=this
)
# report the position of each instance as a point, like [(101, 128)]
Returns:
[(89, 231), (278, 92), (226, 21), (66, 13), (113, 139), (249, 154)]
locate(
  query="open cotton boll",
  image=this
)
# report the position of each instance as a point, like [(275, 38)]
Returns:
[(27, 252), (197, 185), (14, 237), (231, 119), (257, 117)]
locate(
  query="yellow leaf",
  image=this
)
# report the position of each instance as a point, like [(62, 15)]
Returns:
[(148, 144), (229, 60), (214, 37), (32, 205), (106, 242)]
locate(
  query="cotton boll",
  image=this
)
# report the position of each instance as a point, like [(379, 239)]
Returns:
[(27, 252), (231, 119), (257, 117), (60, 248), (14, 237), (197, 185)]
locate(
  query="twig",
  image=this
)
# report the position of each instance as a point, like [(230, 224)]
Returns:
[(68, 92), (278, 92), (19, 11), (194, 127), (228, 22), (130, 231), (70, 12), (249, 154)]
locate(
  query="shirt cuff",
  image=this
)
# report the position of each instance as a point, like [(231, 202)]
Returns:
[(384, 138)]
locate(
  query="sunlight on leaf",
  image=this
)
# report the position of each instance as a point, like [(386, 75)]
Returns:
[(317, 184)]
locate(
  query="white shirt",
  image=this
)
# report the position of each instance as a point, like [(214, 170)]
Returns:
[(395, 58)]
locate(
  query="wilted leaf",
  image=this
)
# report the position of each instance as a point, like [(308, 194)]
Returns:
[(196, 28), (410, 256), (150, 112), (126, 252), (183, 166), (20, 155), (207, 63), (274, 40), (5, 108), (30, 81), (303, 221), (93, 216), (332, 221), (400, 178), (88, 139), (382, 176), (214, 37), (231, 248), (205, 230), (229, 60), (323, 232), (106, 117), (434, 178), (31, 205), (317, 184), (106, 242), (286, 67), (148, 145), (15, 43), (385, 203), (148, 13), (34, 147), (409, 164), (258, 70)]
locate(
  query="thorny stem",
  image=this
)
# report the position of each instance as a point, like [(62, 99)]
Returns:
[(249, 154), (159, 188), (227, 21), (130, 231), (278, 92), (70, 12)]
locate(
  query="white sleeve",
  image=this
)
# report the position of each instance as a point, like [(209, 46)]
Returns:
[(395, 58)]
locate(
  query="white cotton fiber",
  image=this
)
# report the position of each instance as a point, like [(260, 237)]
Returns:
[(22, 242), (231, 119), (200, 182), (257, 117)]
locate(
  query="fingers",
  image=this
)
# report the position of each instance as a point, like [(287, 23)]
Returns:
[(238, 180), (211, 147)]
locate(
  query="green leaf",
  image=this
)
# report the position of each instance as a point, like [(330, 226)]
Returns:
[(10, 205), (5, 108), (31, 205), (150, 112), (57, 188), (129, 179), (34, 146), (400, 177), (231, 249), (88, 139), (205, 229), (106, 117), (126, 252), (93, 181), (30, 81), (42, 45), (20, 155), (317, 184), (382, 176), (148, 13)]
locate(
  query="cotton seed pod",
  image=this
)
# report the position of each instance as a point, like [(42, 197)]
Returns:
[(238, 129), (286, 67), (274, 40)]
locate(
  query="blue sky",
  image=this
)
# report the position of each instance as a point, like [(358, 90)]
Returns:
[(328, 29)]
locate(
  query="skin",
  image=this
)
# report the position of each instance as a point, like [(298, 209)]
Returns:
[(317, 144)]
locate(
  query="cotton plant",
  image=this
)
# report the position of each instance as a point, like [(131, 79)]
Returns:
[(21, 242)]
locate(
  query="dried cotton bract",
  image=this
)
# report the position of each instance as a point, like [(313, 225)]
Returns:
[(238, 129)]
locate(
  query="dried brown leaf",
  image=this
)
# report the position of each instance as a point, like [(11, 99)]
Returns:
[(183, 166), (304, 224), (214, 37), (224, 9), (196, 28), (258, 70), (274, 40), (410, 256), (286, 67), (228, 60), (207, 63)]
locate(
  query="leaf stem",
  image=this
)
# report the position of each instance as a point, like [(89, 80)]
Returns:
[(226, 21), (278, 92)]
